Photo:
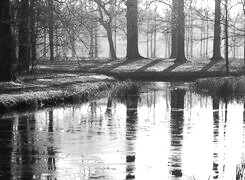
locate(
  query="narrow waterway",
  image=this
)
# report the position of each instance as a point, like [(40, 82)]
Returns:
[(163, 132)]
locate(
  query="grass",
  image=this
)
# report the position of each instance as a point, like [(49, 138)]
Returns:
[(123, 89), (53, 96), (225, 87), (45, 90)]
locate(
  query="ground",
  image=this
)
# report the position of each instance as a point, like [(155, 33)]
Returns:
[(59, 82), (149, 69)]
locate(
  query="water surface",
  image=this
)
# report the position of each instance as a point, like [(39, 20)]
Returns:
[(164, 132)]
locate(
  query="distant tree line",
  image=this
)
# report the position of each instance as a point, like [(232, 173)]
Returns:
[(35, 30)]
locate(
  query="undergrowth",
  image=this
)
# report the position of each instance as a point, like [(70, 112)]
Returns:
[(226, 87)]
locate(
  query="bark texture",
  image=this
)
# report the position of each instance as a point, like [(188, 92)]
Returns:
[(5, 42), (132, 30), (174, 29), (181, 33), (217, 31)]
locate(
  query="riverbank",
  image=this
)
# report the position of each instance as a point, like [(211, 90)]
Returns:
[(52, 89), (232, 87), (149, 69), (69, 81)]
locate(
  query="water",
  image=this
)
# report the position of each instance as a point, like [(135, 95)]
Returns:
[(165, 132)]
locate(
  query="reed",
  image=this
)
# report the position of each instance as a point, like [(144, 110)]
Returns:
[(226, 87)]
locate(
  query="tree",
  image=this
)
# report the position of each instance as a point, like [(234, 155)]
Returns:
[(244, 31), (180, 32), (51, 28), (24, 37), (132, 30), (226, 38), (217, 31), (106, 22), (174, 29), (5, 42)]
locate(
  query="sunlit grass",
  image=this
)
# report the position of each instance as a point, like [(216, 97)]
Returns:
[(43, 97)]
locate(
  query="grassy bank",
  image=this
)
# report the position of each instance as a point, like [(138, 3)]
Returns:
[(42, 98), (225, 87), (52, 90)]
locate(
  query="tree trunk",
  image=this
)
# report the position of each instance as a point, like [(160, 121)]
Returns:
[(181, 33), (91, 42), (151, 38), (57, 42), (217, 31), (33, 32), (201, 43), (174, 29), (44, 43), (24, 37), (155, 32), (244, 33), (73, 45), (5, 43), (96, 52), (132, 30), (147, 38), (191, 39), (226, 39), (51, 29), (207, 44), (111, 45)]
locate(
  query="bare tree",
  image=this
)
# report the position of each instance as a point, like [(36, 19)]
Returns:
[(132, 30), (24, 37), (174, 29), (217, 32), (180, 32), (51, 28), (5, 42), (106, 22)]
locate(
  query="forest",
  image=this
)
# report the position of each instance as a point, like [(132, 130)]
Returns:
[(122, 89), (74, 30)]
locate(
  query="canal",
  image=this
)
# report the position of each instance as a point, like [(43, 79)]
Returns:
[(162, 131)]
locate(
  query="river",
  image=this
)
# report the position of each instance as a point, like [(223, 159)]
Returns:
[(163, 132)]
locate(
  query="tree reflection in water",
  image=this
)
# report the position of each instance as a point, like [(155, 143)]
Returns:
[(6, 148), (176, 130), (131, 129), (50, 149), (216, 125), (25, 153)]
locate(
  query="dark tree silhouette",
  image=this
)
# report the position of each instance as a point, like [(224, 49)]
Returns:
[(174, 29), (51, 28), (24, 42), (132, 30), (180, 32), (5, 42), (176, 130), (131, 98), (217, 30), (226, 38)]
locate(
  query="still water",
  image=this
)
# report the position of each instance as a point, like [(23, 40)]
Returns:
[(164, 132)]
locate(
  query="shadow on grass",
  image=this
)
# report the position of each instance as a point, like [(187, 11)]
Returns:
[(174, 66), (154, 62), (208, 66)]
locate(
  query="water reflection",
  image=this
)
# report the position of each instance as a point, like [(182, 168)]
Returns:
[(165, 132), (176, 131), (131, 130), (216, 131), (50, 148), (6, 147)]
